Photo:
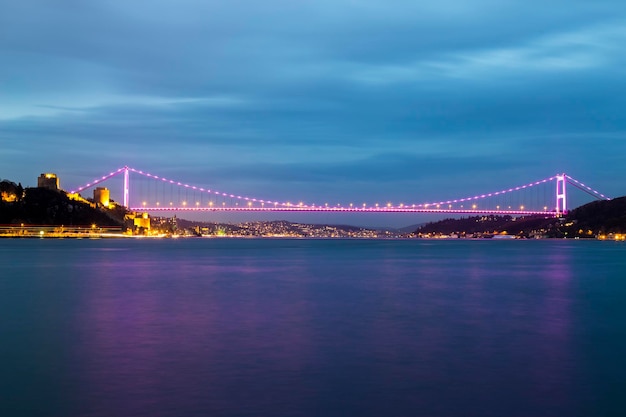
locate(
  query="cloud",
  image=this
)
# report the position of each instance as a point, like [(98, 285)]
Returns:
[(585, 49)]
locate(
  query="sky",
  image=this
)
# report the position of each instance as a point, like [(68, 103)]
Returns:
[(317, 101)]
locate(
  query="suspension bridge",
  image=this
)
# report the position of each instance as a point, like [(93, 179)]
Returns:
[(152, 193)]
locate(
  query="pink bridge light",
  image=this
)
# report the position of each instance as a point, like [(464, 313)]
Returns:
[(432, 207)]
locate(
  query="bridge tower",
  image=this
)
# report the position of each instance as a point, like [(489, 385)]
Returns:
[(561, 197), (126, 186)]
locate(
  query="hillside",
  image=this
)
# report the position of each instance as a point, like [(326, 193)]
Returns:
[(600, 217), (491, 225), (43, 206), (588, 221), (283, 228)]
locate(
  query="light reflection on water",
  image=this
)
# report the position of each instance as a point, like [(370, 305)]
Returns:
[(308, 328)]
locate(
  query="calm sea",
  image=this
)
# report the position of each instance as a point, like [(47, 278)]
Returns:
[(261, 327)]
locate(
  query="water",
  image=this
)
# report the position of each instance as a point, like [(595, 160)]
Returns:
[(227, 327)]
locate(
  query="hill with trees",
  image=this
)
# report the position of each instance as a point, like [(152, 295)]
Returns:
[(41, 206), (600, 217), (591, 220)]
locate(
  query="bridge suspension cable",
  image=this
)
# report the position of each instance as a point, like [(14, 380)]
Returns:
[(586, 188), (500, 199)]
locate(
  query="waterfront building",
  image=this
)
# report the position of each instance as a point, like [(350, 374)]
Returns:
[(137, 223)]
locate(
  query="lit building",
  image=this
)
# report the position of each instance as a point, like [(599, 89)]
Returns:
[(142, 221), (48, 180), (101, 196), (8, 196), (137, 223), (10, 192)]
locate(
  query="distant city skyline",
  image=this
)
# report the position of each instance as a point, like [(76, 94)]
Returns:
[(316, 100)]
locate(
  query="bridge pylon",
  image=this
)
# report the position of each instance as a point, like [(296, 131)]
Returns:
[(126, 186), (561, 194)]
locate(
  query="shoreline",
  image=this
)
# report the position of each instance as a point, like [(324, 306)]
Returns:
[(97, 236)]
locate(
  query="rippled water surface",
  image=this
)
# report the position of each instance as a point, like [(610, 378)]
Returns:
[(247, 327)]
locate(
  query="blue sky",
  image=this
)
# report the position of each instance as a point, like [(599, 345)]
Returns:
[(316, 100)]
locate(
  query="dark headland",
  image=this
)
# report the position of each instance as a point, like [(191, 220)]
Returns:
[(598, 219)]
